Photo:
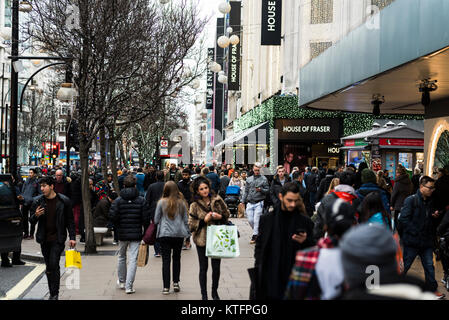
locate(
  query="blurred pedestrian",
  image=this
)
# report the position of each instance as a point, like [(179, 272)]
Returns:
[(403, 188)]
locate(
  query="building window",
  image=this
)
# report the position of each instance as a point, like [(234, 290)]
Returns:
[(381, 3), (322, 11), (62, 126), (316, 48), (63, 111)]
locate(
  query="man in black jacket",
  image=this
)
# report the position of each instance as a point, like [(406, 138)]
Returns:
[(184, 187), (131, 215), (282, 233), (312, 187), (323, 187), (53, 214), (416, 226), (154, 193), (150, 178), (29, 190)]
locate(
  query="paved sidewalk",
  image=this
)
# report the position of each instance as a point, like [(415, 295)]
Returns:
[(99, 274)]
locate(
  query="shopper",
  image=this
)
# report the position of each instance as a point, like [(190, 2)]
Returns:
[(171, 217), (256, 189), (153, 195), (373, 211), (214, 179), (416, 228), (403, 188), (312, 187), (369, 184), (283, 232), (53, 214), (279, 180), (130, 214), (323, 187), (30, 189), (184, 186), (206, 209)]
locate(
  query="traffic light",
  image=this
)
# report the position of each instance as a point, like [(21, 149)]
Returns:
[(73, 135), (55, 148)]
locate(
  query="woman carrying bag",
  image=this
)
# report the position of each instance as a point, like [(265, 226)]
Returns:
[(207, 209), (171, 218)]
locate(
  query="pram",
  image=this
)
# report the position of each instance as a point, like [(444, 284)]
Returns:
[(232, 199)]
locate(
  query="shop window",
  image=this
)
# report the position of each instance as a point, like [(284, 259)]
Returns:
[(316, 48), (406, 159), (322, 11), (356, 157)]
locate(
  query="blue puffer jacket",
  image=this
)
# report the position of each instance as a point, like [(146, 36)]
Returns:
[(367, 188)]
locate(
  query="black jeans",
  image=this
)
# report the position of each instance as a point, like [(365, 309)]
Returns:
[(167, 245), (52, 254), (26, 228), (204, 264)]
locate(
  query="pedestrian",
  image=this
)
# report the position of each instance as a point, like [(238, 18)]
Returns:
[(206, 209), (334, 183), (282, 232), (358, 175), (403, 188), (174, 174), (150, 178), (369, 248), (154, 194), (382, 183), (373, 211), (298, 178), (279, 180), (323, 187), (122, 177), (77, 205), (184, 186), (214, 179), (101, 211), (30, 189), (130, 214), (256, 189), (172, 220), (416, 228), (63, 184), (224, 183), (311, 277), (344, 191), (415, 179), (312, 187), (140, 182), (369, 184), (53, 213), (197, 173)]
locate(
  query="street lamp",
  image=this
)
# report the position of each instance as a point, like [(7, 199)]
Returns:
[(25, 6)]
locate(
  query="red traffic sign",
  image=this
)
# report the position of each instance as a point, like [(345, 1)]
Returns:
[(164, 143)]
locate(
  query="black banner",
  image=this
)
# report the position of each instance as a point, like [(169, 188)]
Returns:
[(309, 129), (271, 22), (210, 91), (234, 50)]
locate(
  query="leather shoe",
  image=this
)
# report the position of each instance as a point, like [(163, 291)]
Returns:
[(55, 297), (204, 297), (215, 296), (6, 265), (18, 263)]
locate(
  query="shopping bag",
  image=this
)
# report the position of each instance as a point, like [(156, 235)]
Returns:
[(142, 258), (73, 259), (241, 210), (150, 234), (222, 242)]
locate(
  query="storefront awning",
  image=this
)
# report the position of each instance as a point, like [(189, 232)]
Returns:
[(256, 135)]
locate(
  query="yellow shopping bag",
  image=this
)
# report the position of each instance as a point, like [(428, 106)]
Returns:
[(73, 259)]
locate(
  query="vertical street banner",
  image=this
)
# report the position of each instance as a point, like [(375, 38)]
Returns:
[(234, 50), (210, 91), (271, 22)]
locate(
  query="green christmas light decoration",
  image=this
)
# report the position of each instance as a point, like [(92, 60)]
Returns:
[(286, 107)]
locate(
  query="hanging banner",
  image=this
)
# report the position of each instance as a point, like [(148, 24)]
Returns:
[(210, 91), (234, 50), (271, 22)]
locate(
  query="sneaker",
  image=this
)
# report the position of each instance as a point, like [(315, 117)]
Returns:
[(18, 263), (55, 297), (440, 296), (121, 285), (114, 242), (6, 265), (184, 247), (166, 291), (176, 287), (130, 291), (157, 255), (82, 240), (188, 246)]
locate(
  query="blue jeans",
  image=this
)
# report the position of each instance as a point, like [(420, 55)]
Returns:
[(127, 272), (426, 255), (253, 212)]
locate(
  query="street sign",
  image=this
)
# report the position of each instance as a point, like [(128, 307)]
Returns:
[(164, 151), (164, 143)]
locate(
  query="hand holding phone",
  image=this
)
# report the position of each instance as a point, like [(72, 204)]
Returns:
[(40, 211)]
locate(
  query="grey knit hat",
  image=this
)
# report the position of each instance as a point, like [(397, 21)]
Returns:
[(368, 176), (367, 245)]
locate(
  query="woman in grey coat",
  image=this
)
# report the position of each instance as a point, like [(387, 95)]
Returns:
[(171, 218), (403, 188)]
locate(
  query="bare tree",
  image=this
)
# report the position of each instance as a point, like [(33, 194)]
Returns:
[(128, 56)]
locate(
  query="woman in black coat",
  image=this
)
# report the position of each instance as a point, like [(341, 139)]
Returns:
[(403, 188)]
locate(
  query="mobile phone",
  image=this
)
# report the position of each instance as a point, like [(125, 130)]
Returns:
[(300, 230)]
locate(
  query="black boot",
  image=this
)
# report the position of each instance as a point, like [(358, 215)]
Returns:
[(215, 295), (5, 261), (204, 297)]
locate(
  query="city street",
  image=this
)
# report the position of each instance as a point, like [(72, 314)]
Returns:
[(97, 278)]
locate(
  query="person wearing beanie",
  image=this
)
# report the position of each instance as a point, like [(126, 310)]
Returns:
[(312, 278), (368, 255), (344, 191), (369, 184)]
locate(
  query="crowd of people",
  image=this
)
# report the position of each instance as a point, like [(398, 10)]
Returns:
[(315, 231)]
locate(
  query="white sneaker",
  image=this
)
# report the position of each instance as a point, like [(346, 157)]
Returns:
[(129, 291), (121, 285)]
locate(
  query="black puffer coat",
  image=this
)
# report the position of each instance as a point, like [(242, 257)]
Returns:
[(403, 188), (130, 214)]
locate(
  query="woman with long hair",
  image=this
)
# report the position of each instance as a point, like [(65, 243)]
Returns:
[(206, 209), (171, 218), (373, 211), (335, 182)]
